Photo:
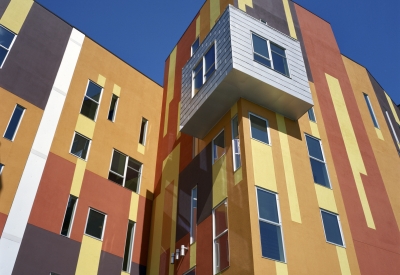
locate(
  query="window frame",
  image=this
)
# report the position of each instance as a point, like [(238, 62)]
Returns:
[(115, 108), (19, 122), (72, 143), (313, 113), (203, 69), (268, 132), (72, 217), (144, 131), (125, 170), (193, 226), (234, 153), (98, 103), (226, 231), (323, 155), (371, 110), (191, 47), (339, 224), (212, 146), (392, 128), (131, 246), (9, 48), (104, 224), (1, 168), (271, 222)]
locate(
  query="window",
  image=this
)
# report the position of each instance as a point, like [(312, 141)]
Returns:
[(14, 122), (270, 225), (190, 272), (235, 144), (332, 228), (80, 146), (1, 168), (270, 54), (259, 128), (6, 41), (391, 127), (91, 100), (143, 131), (311, 115), (195, 45), (126, 265), (317, 160), (113, 108), (371, 111), (193, 215), (125, 171), (218, 146), (69, 216), (204, 69), (221, 245), (95, 224)]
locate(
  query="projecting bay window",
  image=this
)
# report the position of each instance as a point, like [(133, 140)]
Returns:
[(269, 54), (218, 146), (69, 216), (317, 160), (220, 235), (126, 265), (236, 144), (113, 108), (193, 216), (91, 100), (125, 171), (143, 131), (332, 228), (14, 122), (271, 236), (371, 111), (7, 39), (203, 70)]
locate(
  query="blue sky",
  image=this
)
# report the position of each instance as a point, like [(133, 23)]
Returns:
[(143, 33)]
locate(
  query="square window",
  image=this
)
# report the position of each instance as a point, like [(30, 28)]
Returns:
[(95, 224), (332, 228), (14, 122), (80, 146), (317, 160), (195, 45), (218, 146), (259, 128), (7, 39), (91, 100), (113, 108)]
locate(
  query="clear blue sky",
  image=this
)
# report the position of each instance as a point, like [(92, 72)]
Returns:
[(143, 33)]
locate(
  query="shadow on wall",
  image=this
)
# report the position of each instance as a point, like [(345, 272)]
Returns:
[(1, 177)]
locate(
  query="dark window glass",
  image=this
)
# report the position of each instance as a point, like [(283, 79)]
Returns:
[(262, 60), (267, 207), (1, 168), (259, 129), (6, 37), (193, 216), (3, 54), (260, 46), (314, 148), (143, 132), (219, 146), (14, 122), (113, 108), (320, 173), (311, 115), (95, 224), (93, 91), (128, 247), (278, 50), (371, 112), (271, 241), (195, 45), (198, 77), (332, 229), (91, 100), (66, 226), (118, 163), (133, 175), (280, 64), (80, 146), (210, 60), (115, 178), (53, 273), (191, 272)]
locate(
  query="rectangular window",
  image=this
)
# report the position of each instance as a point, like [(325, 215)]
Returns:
[(259, 128), (125, 171), (270, 225), (235, 144), (113, 108), (209, 63), (190, 272), (392, 128), (221, 245), (371, 111), (69, 216), (7, 39), (1, 168), (317, 160), (193, 215), (91, 100), (332, 228), (126, 266), (218, 146), (95, 224), (269, 54), (203, 70), (311, 115), (14, 122), (143, 131), (80, 146), (195, 45)]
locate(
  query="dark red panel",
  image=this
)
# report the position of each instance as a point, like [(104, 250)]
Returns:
[(204, 255), (142, 232)]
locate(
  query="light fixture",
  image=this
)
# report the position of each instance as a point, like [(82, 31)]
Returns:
[(183, 248), (172, 258), (177, 254)]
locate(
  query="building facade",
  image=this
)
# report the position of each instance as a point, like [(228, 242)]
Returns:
[(266, 152)]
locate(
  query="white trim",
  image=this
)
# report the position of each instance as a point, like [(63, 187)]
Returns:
[(19, 122), (72, 143), (144, 131), (225, 201), (372, 112), (193, 226), (212, 146), (131, 246), (9, 48), (202, 59), (115, 108), (233, 144), (191, 47), (98, 103), (339, 224), (104, 224), (190, 270), (268, 133), (391, 126)]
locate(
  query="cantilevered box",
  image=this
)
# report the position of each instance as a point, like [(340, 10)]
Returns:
[(239, 75)]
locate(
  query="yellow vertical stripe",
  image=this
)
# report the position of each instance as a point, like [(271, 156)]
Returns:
[(219, 188), (170, 87), (396, 117), (351, 144), (173, 222), (234, 110), (238, 175), (242, 4), (140, 148), (101, 80), (178, 126), (15, 14), (281, 268), (134, 206), (192, 255), (78, 177), (343, 260), (326, 199), (289, 19), (314, 129), (117, 90), (198, 26), (263, 165), (89, 256), (85, 126), (288, 167), (215, 11), (379, 133)]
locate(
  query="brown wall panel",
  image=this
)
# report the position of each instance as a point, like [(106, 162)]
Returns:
[(204, 255), (3, 219), (142, 231)]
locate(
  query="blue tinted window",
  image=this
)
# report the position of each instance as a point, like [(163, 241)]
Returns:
[(6, 37), (271, 241), (14, 122), (280, 64), (196, 45), (331, 227), (314, 148), (278, 50), (311, 115), (259, 129), (80, 146), (267, 206), (262, 60), (210, 60), (1, 168), (93, 91), (319, 172), (260, 46)]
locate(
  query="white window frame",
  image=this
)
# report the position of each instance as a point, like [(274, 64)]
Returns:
[(144, 131), (203, 70), (104, 224), (308, 114), (191, 47), (8, 49), (190, 270), (234, 153), (193, 226), (1, 168), (115, 108), (72, 143), (392, 128), (271, 222), (212, 147), (131, 246), (98, 103), (268, 133), (125, 169), (72, 217), (19, 122), (339, 224), (372, 112), (221, 234), (323, 155)]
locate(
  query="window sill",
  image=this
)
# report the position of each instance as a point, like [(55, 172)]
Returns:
[(269, 144), (343, 246), (223, 270), (101, 240), (327, 187), (78, 157), (284, 262)]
